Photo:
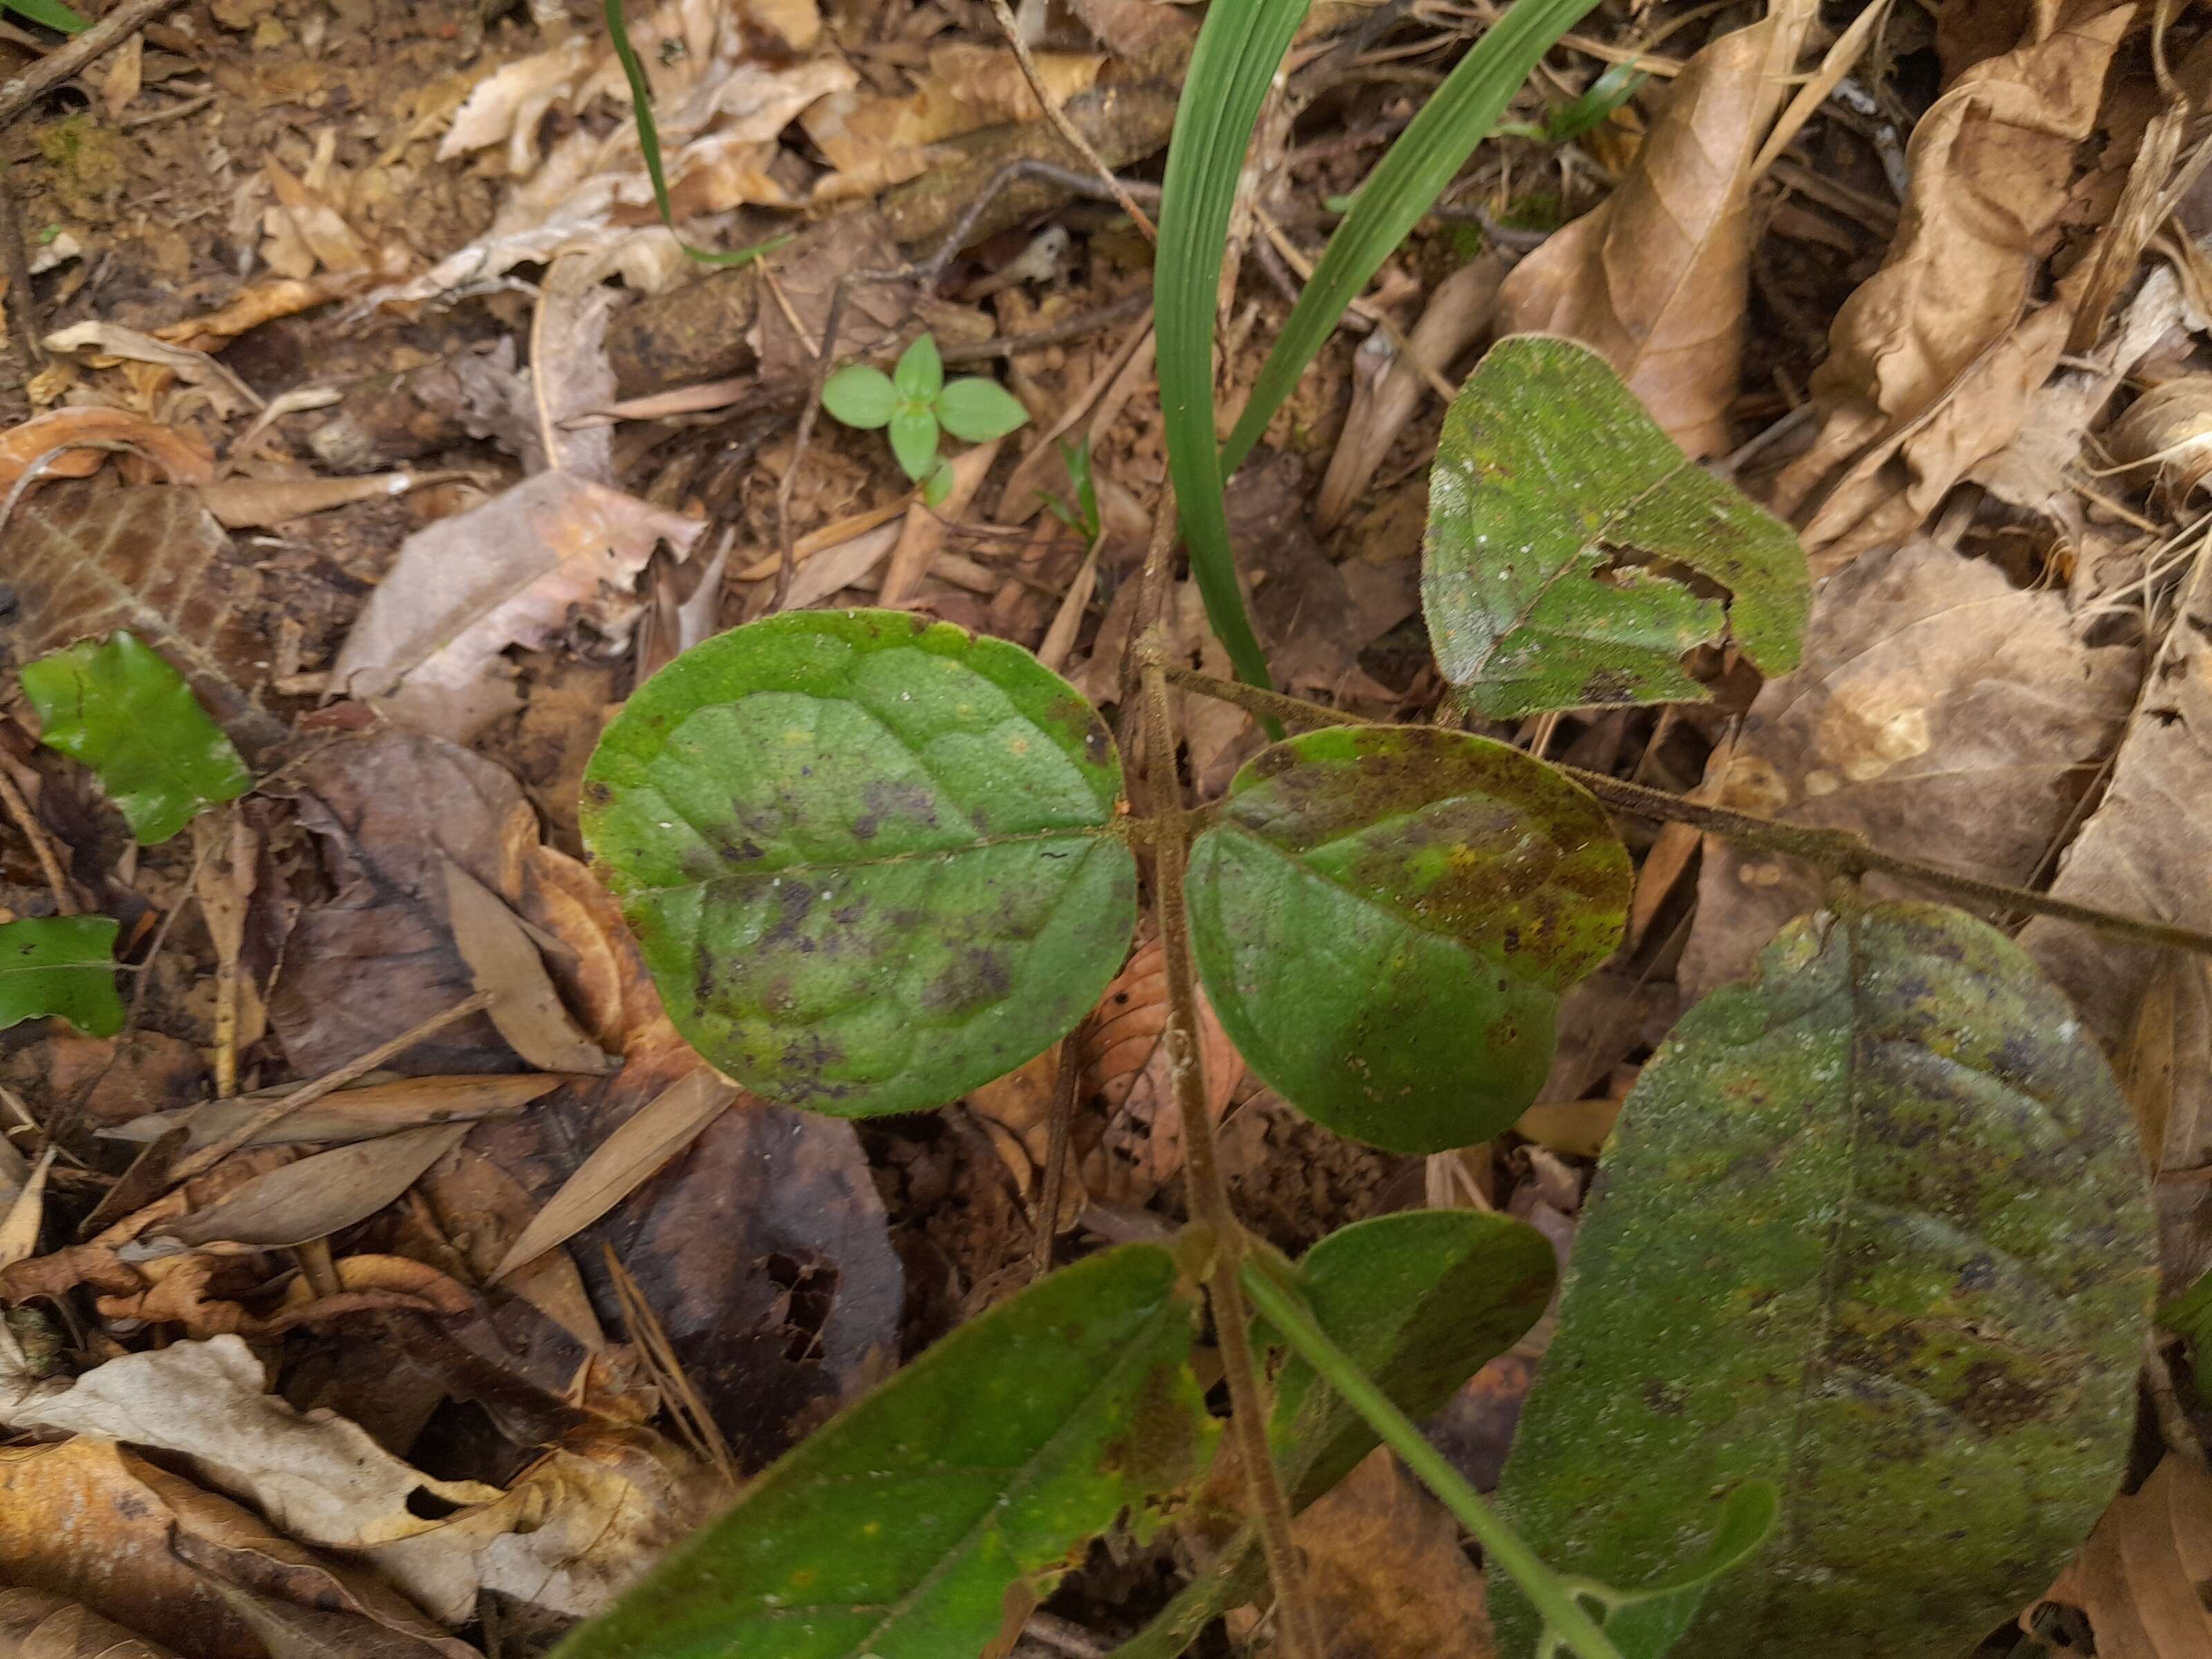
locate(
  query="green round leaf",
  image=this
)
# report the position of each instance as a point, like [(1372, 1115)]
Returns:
[(860, 397), (867, 856), (1875, 1227), (62, 965), (920, 371), (905, 1526), (913, 440), (976, 411), (1385, 919)]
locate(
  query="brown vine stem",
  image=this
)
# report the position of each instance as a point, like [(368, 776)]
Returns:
[(1209, 1193), (1838, 852)]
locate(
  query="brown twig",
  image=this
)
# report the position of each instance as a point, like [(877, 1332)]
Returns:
[(75, 53), (1069, 132), (1838, 852), (1067, 1080), (19, 810), (24, 337)]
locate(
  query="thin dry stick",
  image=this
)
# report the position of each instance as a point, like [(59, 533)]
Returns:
[(27, 821), (214, 1152), (24, 337), (1070, 134), (682, 1398), (1837, 851), (68, 58), (1065, 1081)]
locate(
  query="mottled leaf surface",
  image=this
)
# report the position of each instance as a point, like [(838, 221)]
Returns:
[(1421, 1301), (1554, 505), (1873, 1227), (62, 965), (903, 1527), (119, 707), (1385, 917), (866, 856)]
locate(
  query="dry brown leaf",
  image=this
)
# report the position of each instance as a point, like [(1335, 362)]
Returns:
[(1384, 1572), (623, 1162), (318, 1195), (25, 1214), (925, 527), (1657, 275), (280, 297), (1991, 163), (360, 1113), (36, 1625), (88, 557), (503, 961), (68, 443), (2145, 1576), (248, 504), (303, 230), (2167, 433), (317, 1477), (108, 344), (1940, 712), (86, 1520), (2145, 852), (385, 812), (520, 569), (1126, 1057)]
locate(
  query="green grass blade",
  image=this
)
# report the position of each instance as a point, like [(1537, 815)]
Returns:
[(648, 139), (1236, 59), (1405, 185)]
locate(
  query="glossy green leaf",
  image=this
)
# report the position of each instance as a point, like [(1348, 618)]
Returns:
[(2189, 1316), (62, 965), (901, 1528), (1555, 503), (860, 397), (51, 14), (1405, 185), (919, 375), (119, 709), (976, 411), (1421, 1301), (1873, 1227), (913, 440), (1647, 1623), (1385, 916), (1232, 63), (867, 856)]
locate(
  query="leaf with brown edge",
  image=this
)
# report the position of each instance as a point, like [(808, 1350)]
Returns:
[(2145, 1576), (89, 556), (1655, 277)]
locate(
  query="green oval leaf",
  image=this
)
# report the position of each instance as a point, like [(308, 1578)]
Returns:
[(62, 965), (920, 374), (1873, 1227), (1548, 472), (1647, 1623), (866, 855), (901, 1528), (120, 708), (860, 397), (976, 411), (1422, 1301), (913, 440), (1385, 919)]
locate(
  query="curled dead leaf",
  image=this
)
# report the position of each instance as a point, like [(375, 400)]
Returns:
[(2167, 434), (2144, 1576), (1140, 1149)]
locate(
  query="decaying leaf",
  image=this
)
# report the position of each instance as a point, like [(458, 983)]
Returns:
[(360, 1113), (1126, 1065), (503, 961), (521, 568), (36, 1625), (1931, 361), (1655, 277), (1940, 712), (2167, 432), (75, 442), (89, 557), (2146, 1573), (319, 1195)]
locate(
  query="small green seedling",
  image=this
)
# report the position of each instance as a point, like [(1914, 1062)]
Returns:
[(915, 401), (1081, 516), (1578, 115)]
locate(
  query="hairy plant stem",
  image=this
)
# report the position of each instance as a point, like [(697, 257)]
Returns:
[(1838, 852), (1505, 1549)]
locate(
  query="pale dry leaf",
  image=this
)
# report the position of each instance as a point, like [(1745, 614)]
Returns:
[(109, 342), (253, 503), (503, 960), (312, 223), (2145, 852), (318, 1195), (87, 557), (2166, 436), (1125, 1066), (316, 1475), (925, 527), (1384, 1571), (36, 1625), (1940, 712), (520, 569), (1991, 163), (2145, 1576), (623, 1162), (25, 1214), (73, 442), (362, 1112), (1657, 276)]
